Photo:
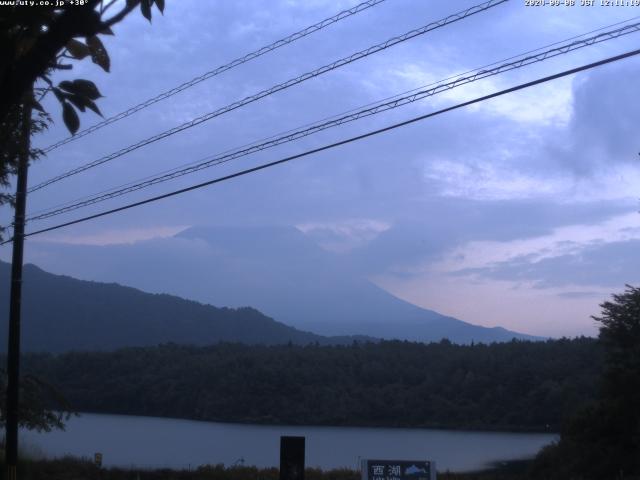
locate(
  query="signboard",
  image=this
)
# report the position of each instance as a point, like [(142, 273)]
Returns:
[(292, 458), (398, 470), (97, 459)]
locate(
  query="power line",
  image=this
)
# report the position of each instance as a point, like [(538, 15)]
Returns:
[(339, 143), (174, 169), (270, 137), (282, 86), (218, 70), (324, 125), (148, 177), (255, 142)]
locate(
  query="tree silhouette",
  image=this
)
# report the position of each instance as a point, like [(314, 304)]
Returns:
[(36, 41), (620, 335), (43, 407), (603, 440)]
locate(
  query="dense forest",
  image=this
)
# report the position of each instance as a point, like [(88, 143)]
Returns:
[(518, 385)]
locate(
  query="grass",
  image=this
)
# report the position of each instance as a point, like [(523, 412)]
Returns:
[(71, 468)]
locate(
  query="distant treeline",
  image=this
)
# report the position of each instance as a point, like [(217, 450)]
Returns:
[(504, 386)]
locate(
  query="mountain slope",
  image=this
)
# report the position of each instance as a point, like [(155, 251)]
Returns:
[(313, 289), (61, 313), (277, 270)]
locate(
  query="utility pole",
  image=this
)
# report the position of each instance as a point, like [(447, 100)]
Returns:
[(13, 352)]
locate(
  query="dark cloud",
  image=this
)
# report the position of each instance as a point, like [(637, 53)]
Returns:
[(448, 223), (609, 265), (604, 124), (580, 294), (380, 178)]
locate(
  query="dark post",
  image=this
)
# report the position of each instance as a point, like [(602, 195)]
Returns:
[(13, 352), (291, 458)]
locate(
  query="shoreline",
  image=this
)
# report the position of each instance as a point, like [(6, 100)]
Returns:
[(263, 423)]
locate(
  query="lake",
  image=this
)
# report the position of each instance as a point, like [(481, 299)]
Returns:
[(146, 442)]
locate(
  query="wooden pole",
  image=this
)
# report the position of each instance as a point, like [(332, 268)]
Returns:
[(13, 352)]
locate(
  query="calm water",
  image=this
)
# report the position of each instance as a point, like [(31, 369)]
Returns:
[(146, 442)]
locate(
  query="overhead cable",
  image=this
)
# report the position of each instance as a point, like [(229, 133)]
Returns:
[(282, 86), (336, 144), (350, 117), (217, 71)]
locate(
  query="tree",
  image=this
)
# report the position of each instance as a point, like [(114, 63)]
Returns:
[(620, 336), (36, 39), (603, 440), (35, 42), (11, 144), (43, 407)]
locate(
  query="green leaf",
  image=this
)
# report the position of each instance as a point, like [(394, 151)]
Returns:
[(36, 105), (81, 87), (160, 4), (89, 24), (145, 8), (77, 49), (66, 85), (70, 118), (85, 88), (82, 103), (99, 54), (60, 95), (92, 106), (106, 31), (78, 101)]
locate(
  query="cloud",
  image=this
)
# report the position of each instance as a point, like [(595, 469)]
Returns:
[(610, 265), (581, 294), (345, 235), (495, 183), (601, 255), (491, 182), (601, 136), (115, 236), (500, 303), (452, 234), (558, 241), (545, 105)]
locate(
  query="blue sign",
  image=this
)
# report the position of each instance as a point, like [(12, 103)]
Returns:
[(398, 470)]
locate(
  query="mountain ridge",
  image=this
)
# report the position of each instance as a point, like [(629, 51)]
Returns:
[(61, 313), (277, 270)]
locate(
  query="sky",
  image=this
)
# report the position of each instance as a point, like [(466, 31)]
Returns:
[(521, 211)]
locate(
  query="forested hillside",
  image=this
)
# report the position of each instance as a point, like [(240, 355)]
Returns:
[(62, 313), (515, 385)]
